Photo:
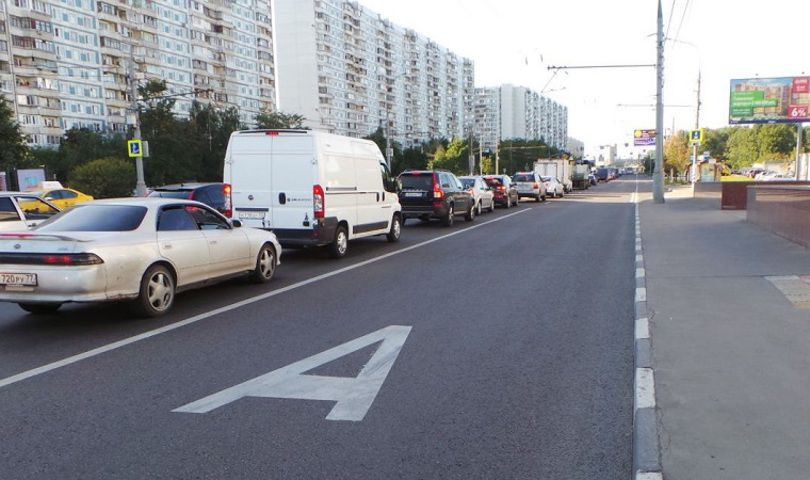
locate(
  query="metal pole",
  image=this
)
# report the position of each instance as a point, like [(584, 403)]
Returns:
[(697, 126), (140, 184), (471, 158), (799, 128), (481, 153), (387, 136), (658, 175), (497, 150)]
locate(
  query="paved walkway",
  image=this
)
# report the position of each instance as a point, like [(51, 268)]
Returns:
[(731, 351)]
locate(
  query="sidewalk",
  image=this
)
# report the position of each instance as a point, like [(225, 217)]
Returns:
[(731, 353)]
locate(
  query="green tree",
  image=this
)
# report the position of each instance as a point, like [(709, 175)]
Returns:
[(13, 150), (79, 146), (104, 178), (172, 153), (776, 142), (677, 152), (454, 158), (742, 148), (279, 120), (210, 129)]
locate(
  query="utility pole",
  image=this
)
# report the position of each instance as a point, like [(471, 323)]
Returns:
[(471, 159), (481, 153), (697, 126), (497, 150), (799, 128), (388, 154), (658, 175), (140, 185)]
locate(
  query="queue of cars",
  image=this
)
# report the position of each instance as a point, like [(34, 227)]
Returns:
[(280, 189)]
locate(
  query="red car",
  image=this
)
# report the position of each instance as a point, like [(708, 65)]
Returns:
[(506, 194)]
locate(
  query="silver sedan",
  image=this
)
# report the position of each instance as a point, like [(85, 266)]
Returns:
[(141, 249)]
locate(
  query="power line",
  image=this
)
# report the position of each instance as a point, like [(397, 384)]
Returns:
[(683, 17), (671, 14)]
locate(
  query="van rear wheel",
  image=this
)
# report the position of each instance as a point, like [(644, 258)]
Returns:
[(340, 246)]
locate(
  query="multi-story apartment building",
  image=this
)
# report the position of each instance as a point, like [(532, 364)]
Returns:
[(509, 112), (349, 71), (66, 64)]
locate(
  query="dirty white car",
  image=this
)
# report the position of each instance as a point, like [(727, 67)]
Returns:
[(142, 249)]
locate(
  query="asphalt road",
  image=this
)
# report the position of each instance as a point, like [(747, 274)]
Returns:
[(517, 365)]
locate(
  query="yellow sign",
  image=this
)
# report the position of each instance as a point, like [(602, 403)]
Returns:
[(696, 137), (135, 148)]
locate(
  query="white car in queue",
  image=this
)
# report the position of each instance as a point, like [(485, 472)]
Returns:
[(20, 211), (554, 187), (482, 194), (141, 249)]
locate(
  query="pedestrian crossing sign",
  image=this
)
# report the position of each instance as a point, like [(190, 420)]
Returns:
[(135, 148), (696, 136)]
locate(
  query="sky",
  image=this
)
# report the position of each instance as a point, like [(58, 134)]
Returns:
[(515, 41)]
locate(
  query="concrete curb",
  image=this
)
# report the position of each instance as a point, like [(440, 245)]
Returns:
[(646, 444)]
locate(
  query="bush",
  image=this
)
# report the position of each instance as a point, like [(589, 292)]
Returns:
[(104, 178)]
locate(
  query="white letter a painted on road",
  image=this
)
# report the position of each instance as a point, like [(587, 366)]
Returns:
[(354, 396)]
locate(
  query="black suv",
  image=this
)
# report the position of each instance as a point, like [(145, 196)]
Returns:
[(215, 195), (434, 194)]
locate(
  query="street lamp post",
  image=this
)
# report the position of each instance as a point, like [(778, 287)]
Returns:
[(140, 185)]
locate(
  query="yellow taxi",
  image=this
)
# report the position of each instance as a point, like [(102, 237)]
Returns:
[(64, 197)]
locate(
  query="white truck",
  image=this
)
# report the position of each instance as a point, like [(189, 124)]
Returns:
[(559, 168), (311, 188)]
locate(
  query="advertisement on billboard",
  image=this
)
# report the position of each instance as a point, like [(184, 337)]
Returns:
[(644, 138), (769, 100), (30, 178)]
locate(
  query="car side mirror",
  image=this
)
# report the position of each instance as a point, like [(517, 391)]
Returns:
[(49, 198), (236, 223)]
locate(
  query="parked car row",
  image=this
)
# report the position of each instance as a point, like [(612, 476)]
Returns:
[(280, 189)]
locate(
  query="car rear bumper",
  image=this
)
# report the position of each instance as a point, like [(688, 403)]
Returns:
[(61, 285), (422, 210), (322, 233)]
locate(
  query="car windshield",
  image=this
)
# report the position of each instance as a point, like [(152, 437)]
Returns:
[(524, 177), (417, 182), (95, 218)]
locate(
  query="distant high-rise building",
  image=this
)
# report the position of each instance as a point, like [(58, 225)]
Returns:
[(65, 64), (349, 71), (510, 112)]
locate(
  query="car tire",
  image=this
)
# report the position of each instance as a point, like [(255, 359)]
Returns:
[(537, 199), (266, 262), (470, 215), (396, 230), (492, 206), (340, 245), (543, 198), (450, 217), (157, 292), (479, 209), (40, 308)]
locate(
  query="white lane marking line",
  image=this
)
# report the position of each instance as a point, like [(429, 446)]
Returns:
[(353, 396), (182, 323), (645, 388), (642, 328), (641, 294), (640, 273), (649, 476), (639, 258)]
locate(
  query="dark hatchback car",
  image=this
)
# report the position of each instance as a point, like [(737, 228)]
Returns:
[(434, 194), (505, 190), (602, 175), (215, 195)]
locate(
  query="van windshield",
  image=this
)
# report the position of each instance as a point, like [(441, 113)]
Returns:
[(417, 182)]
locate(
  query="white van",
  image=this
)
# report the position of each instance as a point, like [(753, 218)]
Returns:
[(311, 188)]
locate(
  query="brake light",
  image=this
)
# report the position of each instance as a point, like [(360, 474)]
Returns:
[(438, 193), (62, 260), (536, 185), (501, 188), (227, 190), (318, 201), (271, 133)]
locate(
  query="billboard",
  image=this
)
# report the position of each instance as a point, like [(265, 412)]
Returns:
[(769, 100), (30, 178), (644, 138)]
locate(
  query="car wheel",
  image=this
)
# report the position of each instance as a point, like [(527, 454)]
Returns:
[(492, 206), (265, 265), (157, 292), (537, 199), (40, 308), (480, 209), (396, 230), (450, 217), (339, 247), (470, 215), (543, 198)]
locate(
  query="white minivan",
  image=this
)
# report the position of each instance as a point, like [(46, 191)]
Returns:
[(311, 188)]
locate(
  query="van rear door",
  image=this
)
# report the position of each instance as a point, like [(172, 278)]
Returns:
[(248, 170), (293, 172)]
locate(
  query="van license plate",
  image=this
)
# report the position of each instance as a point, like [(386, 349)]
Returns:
[(252, 215), (18, 279)]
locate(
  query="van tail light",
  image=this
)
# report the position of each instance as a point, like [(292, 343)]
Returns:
[(226, 189), (318, 201), (536, 185)]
